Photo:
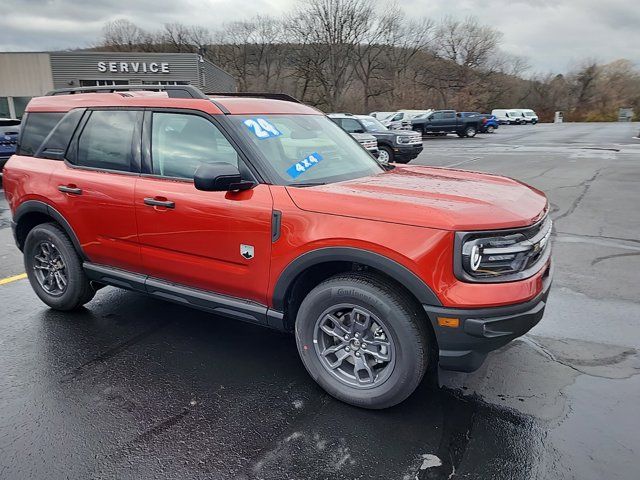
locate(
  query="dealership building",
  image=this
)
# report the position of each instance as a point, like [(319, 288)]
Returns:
[(24, 75)]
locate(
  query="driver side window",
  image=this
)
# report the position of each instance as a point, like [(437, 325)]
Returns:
[(352, 126), (180, 143)]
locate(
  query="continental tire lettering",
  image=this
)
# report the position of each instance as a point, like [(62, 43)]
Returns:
[(357, 293)]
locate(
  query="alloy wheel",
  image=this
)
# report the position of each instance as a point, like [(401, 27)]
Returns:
[(49, 269), (354, 346)]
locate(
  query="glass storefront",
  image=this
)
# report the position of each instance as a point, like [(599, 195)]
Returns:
[(19, 105), (4, 108)]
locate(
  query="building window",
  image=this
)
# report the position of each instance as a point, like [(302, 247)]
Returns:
[(103, 83), (166, 82), (4, 108), (20, 105)]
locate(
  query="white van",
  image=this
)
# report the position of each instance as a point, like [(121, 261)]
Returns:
[(402, 117), (530, 116), (508, 116)]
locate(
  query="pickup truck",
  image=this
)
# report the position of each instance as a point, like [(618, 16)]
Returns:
[(447, 121)]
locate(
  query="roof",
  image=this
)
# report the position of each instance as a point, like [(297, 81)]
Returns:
[(214, 105)]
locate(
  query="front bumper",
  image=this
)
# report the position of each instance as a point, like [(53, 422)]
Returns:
[(408, 152), (465, 347)]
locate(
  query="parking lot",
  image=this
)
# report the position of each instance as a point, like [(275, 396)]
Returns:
[(133, 387)]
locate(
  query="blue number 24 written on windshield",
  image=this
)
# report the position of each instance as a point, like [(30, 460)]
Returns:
[(297, 169)]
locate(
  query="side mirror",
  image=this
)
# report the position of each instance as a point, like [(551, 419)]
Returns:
[(219, 177)]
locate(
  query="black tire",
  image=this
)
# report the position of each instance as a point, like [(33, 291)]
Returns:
[(460, 134), (389, 153), (470, 131), (77, 290), (403, 323)]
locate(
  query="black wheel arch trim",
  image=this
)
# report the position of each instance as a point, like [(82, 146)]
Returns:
[(37, 206), (393, 269)]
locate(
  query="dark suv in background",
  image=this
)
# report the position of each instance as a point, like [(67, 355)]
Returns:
[(400, 146), (9, 130)]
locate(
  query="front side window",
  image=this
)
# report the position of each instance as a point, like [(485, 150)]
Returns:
[(351, 126), (305, 149), (106, 141), (180, 143)]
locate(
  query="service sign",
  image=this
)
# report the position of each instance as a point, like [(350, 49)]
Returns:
[(134, 67)]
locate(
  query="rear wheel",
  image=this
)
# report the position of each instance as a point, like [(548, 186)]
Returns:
[(363, 340), (386, 155), (470, 131), (54, 268), (490, 129)]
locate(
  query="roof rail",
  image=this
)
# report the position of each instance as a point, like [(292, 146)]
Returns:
[(174, 91), (273, 96)]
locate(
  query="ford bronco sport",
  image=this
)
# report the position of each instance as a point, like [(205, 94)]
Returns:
[(266, 211)]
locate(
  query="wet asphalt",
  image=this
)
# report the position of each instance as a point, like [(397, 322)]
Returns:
[(133, 387)]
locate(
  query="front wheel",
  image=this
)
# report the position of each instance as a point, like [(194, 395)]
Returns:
[(54, 268), (386, 155), (490, 129), (363, 340)]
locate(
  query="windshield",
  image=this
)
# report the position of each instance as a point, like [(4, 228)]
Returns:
[(529, 113), (373, 125), (306, 149)]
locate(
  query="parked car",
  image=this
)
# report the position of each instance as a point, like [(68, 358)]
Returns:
[(399, 146), (401, 120), (381, 115), (447, 121), (489, 122), (368, 142), (508, 117), (530, 116), (9, 131), (265, 211)]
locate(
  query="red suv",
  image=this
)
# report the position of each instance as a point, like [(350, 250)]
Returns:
[(264, 210)]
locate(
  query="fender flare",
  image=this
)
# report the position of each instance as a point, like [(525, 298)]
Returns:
[(420, 290), (31, 206)]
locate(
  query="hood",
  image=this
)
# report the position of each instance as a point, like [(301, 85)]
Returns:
[(363, 137), (429, 197), (402, 132)]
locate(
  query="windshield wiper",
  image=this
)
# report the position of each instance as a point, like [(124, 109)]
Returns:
[(308, 184)]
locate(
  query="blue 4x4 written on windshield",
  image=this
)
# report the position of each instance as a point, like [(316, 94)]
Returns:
[(297, 169)]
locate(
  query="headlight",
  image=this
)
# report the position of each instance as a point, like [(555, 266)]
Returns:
[(502, 256)]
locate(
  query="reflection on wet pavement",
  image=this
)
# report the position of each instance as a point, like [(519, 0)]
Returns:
[(144, 388)]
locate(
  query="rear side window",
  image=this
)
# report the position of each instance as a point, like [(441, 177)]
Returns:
[(106, 141), (35, 129)]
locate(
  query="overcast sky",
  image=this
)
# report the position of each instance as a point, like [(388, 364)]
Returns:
[(553, 35)]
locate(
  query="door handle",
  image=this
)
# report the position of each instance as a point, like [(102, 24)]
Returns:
[(155, 202), (72, 189)]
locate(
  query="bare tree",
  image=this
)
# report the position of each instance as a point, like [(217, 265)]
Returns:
[(330, 31), (122, 36)]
